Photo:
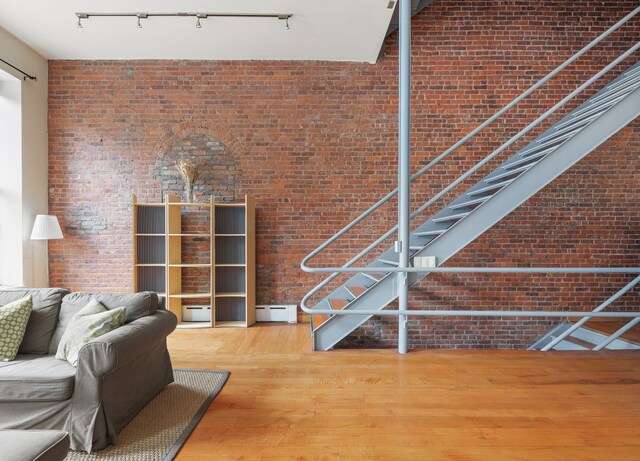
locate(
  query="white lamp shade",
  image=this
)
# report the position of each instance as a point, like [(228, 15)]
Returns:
[(46, 227)]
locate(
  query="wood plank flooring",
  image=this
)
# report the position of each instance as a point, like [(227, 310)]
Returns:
[(283, 401)]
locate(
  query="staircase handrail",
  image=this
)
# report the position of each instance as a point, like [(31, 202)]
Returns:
[(338, 270)]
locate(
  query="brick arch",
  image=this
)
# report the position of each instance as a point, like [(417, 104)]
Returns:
[(216, 151), (216, 131)]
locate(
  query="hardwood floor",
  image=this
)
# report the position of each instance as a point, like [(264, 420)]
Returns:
[(283, 401)]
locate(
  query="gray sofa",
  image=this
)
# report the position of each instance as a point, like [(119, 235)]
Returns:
[(117, 373)]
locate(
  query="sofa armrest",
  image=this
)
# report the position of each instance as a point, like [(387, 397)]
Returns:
[(117, 374), (122, 345)]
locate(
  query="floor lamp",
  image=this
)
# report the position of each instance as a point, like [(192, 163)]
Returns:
[(46, 228)]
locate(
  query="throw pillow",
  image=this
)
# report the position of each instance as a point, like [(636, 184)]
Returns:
[(13, 323), (90, 322)]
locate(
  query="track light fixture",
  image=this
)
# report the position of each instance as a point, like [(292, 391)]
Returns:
[(140, 16), (285, 17), (198, 16), (81, 16)]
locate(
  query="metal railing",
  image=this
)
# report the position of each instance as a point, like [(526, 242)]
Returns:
[(348, 267)]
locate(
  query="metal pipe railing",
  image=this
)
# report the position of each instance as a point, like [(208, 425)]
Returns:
[(481, 270), (478, 313), (584, 320)]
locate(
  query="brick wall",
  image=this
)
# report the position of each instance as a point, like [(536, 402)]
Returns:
[(315, 142)]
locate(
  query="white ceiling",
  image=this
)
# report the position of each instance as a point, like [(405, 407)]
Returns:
[(331, 30)]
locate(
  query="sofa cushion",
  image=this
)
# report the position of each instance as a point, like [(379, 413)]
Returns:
[(36, 377), (13, 323), (39, 445), (44, 315), (136, 305), (92, 321)]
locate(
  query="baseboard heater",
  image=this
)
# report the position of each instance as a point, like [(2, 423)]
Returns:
[(277, 313)]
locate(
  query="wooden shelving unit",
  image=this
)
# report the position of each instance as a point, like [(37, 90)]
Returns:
[(234, 264), (229, 299)]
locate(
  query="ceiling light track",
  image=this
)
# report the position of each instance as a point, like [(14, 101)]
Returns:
[(198, 16)]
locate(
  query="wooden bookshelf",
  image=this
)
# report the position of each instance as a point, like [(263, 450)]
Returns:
[(161, 242)]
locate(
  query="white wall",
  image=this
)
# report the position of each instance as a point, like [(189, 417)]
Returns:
[(33, 169)]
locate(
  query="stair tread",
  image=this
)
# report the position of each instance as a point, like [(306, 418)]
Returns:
[(430, 232), (450, 217), (506, 174), (338, 303), (580, 342), (627, 85), (357, 290), (493, 186), (391, 262), (375, 276), (526, 159), (470, 202)]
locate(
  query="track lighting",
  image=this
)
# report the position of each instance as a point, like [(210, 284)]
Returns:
[(285, 17), (141, 16), (81, 16), (198, 16)]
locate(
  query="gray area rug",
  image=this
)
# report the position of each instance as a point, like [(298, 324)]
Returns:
[(162, 427)]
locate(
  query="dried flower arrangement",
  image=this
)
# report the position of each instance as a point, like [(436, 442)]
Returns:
[(189, 172)]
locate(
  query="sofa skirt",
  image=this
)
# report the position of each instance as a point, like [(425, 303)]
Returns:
[(35, 415)]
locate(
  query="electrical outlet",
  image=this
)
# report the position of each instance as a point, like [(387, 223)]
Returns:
[(424, 261)]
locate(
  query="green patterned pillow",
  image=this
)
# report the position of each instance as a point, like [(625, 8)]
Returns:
[(90, 322), (13, 323)]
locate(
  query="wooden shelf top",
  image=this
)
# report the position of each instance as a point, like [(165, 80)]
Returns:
[(149, 204), (191, 295), (230, 294), (202, 204), (189, 265), (237, 205)]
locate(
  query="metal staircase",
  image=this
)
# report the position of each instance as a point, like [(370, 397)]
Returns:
[(488, 201), (372, 287)]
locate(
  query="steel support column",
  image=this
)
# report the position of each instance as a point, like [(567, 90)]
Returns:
[(404, 175)]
